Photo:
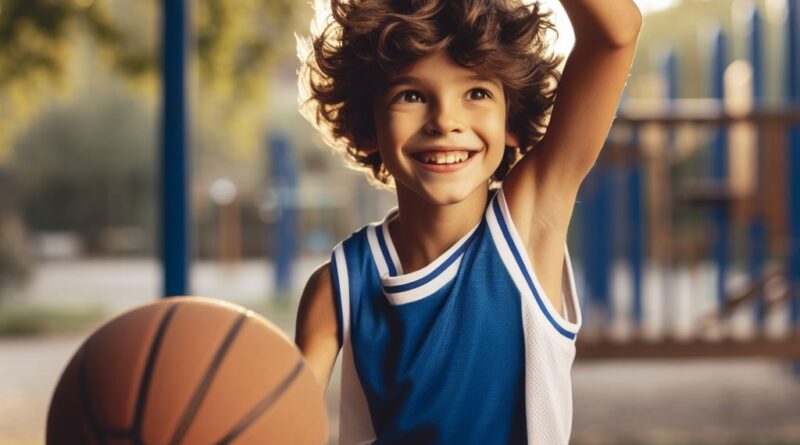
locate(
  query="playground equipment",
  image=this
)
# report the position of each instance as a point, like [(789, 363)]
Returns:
[(175, 209), (732, 164)]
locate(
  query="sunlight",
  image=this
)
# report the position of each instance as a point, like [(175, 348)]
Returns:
[(566, 37)]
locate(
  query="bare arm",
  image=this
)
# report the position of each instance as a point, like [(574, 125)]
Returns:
[(548, 177), (615, 23), (315, 332), (541, 188)]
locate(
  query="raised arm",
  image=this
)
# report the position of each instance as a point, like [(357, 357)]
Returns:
[(546, 181), (315, 332)]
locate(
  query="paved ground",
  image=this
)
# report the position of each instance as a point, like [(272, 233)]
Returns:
[(669, 402), (702, 402), (622, 402)]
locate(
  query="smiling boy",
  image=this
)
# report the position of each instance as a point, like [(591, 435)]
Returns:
[(457, 313)]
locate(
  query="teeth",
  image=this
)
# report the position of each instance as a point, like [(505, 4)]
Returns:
[(446, 158)]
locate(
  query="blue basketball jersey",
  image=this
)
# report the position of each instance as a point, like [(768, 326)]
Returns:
[(466, 350)]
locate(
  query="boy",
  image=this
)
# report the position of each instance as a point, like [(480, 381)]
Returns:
[(448, 335)]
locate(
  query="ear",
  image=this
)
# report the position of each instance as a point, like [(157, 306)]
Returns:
[(511, 140)]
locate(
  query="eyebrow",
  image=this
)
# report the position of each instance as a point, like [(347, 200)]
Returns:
[(398, 80), (464, 77), (479, 78)]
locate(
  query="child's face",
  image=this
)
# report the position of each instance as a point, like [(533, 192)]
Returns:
[(435, 110)]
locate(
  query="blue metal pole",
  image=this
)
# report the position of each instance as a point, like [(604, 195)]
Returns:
[(719, 167), (636, 253), (587, 207), (793, 90), (175, 209), (671, 74), (605, 237), (757, 232), (284, 174)]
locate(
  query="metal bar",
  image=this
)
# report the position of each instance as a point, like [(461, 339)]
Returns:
[(793, 192), (788, 348), (586, 205), (719, 170), (699, 116), (175, 210), (636, 246), (757, 232), (667, 260)]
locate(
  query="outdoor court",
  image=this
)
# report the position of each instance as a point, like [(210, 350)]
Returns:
[(615, 402)]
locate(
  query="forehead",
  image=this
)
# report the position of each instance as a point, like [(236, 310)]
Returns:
[(437, 68)]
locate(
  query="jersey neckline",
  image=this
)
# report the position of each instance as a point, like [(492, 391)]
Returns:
[(400, 288)]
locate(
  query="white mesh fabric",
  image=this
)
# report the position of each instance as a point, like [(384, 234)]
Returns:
[(548, 382), (355, 422)]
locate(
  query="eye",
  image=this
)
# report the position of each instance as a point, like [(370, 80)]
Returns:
[(479, 93), (409, 96)]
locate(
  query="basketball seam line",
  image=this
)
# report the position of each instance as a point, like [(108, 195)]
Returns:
[(202, 388), (87, 406), (263, 406), (145, 383)]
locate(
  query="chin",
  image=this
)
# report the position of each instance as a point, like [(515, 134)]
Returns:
[(446, 194)]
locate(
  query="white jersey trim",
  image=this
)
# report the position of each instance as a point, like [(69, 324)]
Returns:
[(355, 422), (344, 288), (377, 255), (395, 258), (514, 255), (549, 339), (414, 286)]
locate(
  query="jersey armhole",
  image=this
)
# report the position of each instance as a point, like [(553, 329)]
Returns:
[(572, 307), (514, 256)]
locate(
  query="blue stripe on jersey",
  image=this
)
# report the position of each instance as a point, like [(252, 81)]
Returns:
[(521, 264), (435, 273), (385, 251)]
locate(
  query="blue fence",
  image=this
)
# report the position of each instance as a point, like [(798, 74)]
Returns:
[(640, 246)]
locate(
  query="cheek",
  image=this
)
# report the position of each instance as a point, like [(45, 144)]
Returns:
[(403, 125), (394, 128), (492, 125)]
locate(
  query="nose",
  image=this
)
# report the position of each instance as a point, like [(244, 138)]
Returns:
[(444, 118)]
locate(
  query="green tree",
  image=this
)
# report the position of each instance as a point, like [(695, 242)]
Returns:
[(236, 43), (87, 166)]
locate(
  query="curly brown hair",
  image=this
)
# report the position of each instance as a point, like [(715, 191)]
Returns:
[(352, 55)]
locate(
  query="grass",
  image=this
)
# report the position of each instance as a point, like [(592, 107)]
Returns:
[(26, 319), (18, 319)]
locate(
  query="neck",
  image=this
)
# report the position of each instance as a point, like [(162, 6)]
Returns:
[(434, 228)]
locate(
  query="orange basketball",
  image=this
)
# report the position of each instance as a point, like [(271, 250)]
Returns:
[(187, 370)]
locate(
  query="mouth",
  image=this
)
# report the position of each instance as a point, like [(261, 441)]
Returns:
[(444, 160)]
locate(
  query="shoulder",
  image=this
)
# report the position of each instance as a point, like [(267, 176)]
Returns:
[(320, 277), (317, 333), (316, 315)]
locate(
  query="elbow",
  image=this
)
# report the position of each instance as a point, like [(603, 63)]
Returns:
[(628, 34)]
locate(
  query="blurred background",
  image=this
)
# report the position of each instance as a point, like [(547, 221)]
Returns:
[(685, 237)]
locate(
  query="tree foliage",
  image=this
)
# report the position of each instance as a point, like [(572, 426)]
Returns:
[(86, 166), (233, 39), (235, 44)]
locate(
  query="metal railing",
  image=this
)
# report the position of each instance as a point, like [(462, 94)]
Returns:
[(694, 185)]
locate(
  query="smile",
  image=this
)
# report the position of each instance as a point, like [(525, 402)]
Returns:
[(443, 161)]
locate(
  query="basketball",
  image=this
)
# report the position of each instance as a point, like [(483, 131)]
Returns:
[(187, 370)]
